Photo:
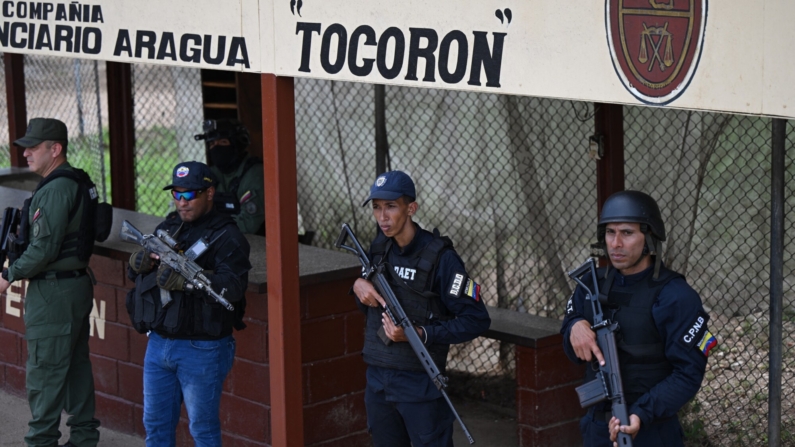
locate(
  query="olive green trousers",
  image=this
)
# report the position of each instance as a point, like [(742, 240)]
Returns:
[(58, 369)]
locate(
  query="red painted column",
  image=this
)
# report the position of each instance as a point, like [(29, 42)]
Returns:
[(17, 110), (609, 123), (122, 135), (281, 241)]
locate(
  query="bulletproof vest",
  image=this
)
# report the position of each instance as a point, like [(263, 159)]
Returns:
[(411, 279), (641, 349), (95, 220), (190, 314), (228, 201)]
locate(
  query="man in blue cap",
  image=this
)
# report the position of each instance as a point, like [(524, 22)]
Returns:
[(51, 251), (404, 408), (191, 347)]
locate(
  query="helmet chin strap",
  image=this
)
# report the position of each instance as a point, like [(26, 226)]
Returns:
[(654, 248)]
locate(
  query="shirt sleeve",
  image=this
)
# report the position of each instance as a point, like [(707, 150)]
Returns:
[(251, 194), (470, 317), (574, 313), (676, 315), (49, 217)]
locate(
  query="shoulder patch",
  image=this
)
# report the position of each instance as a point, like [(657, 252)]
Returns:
[(696, 331), (570, 304), (246, 196), (708, 341), (37, 214), (251, 207), (472, 290), (457, 285)]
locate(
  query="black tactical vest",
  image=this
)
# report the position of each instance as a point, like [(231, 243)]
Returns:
[(411, 279), (190, 315), (641, 349), (95, 221)]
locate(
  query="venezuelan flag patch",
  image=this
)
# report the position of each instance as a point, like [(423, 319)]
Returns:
[(245, 197), (707, 343), (472, 290)]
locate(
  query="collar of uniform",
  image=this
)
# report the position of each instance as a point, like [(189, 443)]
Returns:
[(634, 278), (412, 246), (201, 220)]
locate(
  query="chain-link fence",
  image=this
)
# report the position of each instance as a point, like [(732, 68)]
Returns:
[(75, 92), (509, 180), (168, 112), (711, 174)]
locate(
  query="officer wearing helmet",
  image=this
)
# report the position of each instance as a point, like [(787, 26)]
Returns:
[(241, 190), (663, 340)]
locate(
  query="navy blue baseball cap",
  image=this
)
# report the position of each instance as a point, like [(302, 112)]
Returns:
[(391, 186), (192, 175)]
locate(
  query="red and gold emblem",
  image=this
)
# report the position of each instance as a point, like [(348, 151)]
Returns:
[(656, 45)]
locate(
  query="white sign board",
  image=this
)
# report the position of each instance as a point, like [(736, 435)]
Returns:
[(727, 55), (194, 33)]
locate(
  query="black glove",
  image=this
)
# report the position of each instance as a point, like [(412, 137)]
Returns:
[(168, 279), (140, 262)]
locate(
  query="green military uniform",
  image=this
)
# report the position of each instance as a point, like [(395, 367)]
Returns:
[(58, 369), (250, 193)]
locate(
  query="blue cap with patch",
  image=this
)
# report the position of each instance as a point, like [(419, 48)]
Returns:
[(193, 176), (391, 186)]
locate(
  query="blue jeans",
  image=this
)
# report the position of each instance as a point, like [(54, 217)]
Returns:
[(192, 371)]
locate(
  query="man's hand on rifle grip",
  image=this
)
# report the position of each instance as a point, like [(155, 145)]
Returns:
[(367, 294), (396, 333), (631, 429), (583, 341)]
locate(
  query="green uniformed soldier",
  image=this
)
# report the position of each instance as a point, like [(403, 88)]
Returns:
[(241, 184), (51, 253)]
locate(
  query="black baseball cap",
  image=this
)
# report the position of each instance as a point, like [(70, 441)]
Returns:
[(391, 186), (192, 175), (43, 129)]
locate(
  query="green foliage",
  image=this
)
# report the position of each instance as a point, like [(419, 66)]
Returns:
[(693, 425)]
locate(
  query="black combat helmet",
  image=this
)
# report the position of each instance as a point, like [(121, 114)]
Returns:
[(635, 207), (632, 206), (231, 129)]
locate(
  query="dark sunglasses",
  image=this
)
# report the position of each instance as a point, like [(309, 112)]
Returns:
[(187, 195)]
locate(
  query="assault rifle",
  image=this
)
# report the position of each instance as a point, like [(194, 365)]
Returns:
[(607, 384), (163, 245), (11, 217), (394, 310)]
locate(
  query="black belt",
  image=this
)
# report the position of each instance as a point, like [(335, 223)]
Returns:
[(61, 275)]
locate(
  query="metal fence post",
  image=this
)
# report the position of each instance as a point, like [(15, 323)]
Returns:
[(381, 142), (17, 111), (776, 279)]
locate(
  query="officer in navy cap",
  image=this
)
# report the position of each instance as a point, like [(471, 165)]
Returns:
[(190, 347), (404, 407), (663, 337)]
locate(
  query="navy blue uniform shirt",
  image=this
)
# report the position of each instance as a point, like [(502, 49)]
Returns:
[(471, 320), (674, 312)]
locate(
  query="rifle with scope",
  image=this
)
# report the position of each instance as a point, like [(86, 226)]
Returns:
[(395, 312), (607, 384)]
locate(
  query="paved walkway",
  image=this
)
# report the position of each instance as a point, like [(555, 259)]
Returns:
[(490, 426)]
